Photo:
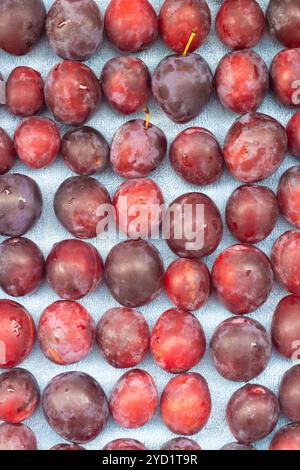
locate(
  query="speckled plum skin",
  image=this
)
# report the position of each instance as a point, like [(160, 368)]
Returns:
[(289, 195), (178, 19), (75, 28), (19, 395), (139, 207), (182, 86), (293, 134), (240, 24), (286, 327), (186, 404), (131, 25), (187, 283), (72, 92), (17, 437), (177, 341), (123, 337), (66, 332), (285, 77), (131, 260), (67, 447), (252, 413), (196, 156), (24, 92), (283, 18), (237, 446), (125, 444), (287, 438), (7, 152), (242, 277), (252, 213), (289, 393), (241, 349), (181, 228), (74, 269), (181, 443), (21, 204), (126, 84), (134, 399), (75, 406), (77, 205), (22, 266), (22, 25), (254, 148), (286, 261), (242, 81), (137, 151), (37, 141), (17, 334), (85, 151)]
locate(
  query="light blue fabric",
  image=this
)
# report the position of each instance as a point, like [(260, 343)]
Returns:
[(48, 231)]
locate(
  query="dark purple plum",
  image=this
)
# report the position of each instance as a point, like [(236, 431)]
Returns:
[(289, 393), (181, 443), (67, 447), (17, 437), (125, 444), (7, 151), (237, 446)]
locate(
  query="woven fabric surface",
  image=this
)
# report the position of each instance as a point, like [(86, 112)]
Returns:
[(48, 231)]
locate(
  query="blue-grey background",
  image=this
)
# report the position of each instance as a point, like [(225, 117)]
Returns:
[(48, 231)]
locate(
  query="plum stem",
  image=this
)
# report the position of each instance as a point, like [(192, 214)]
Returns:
[(147, 120), (188, 45)]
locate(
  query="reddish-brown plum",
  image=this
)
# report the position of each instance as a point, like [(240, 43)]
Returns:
[(22, 266), (24, 92), (187, 283), (177, 341), (186, 404), (137, 150), (128, 262), (37, 141), (242, 81), (177, 20), (196, 156), (285, 77), (293, 134), (252, 213), (75, 28), (289, 394), (126, 84), (81, 206), (74, 269), (241, 349), (254, 148), (283, 18), (252, 413), (134, 399), (131, 25), (125, 444), (289, 195), (7, 152), (85, 151), (17, 437), (19, 395), (287, 438), (240, 24), (181, 443), (286, 261), (72, 92), (66, 332), (123, 337), (243, 278), (237, 446), (182, 86), (193, 226), (75, 406), (21, 204), (286, 327), (67, 447), (22, 25), (139, 208), (17, 334)]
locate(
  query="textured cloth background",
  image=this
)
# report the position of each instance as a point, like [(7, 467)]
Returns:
[(48, 231)]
